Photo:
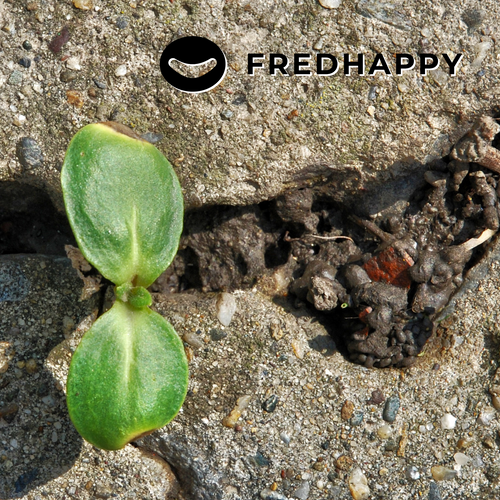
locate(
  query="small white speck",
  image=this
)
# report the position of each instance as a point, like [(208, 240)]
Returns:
[(121, 70), (448, 421)]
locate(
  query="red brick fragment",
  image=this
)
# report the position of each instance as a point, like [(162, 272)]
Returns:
[(390, 267)]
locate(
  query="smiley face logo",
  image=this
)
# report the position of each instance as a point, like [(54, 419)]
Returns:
[(193, 51)]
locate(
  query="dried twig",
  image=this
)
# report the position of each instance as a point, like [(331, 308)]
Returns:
[(317, 236)]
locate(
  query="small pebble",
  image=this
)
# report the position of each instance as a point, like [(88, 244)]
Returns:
[(403, 441), (226, 307), (268, 494), (99, 84), (489, 443), (357, 418), (441, 473), (285, 438), (216, 334), (67, 76), (486, 416), (391, 445), (448, 421), (193, 340), (73, 63), (25, 62), (83, 4), (75, 98), (298, 348), (92, 92), (302, 492), (261, 460), (434, 493), (371, 110), (16, 78), (391, 409), (29, 153), (344, 463), (152, 137), (372, 93), (330, 4), (48, 400), (121, 70), (241, 99), (241, 404), (19, 120), (122, 22), (347, 410), (358, 485), (464, 443), (9, 28), (270, 403), (377, 397), (384, 432), (31, 366), (226, 114), (231, 419), (27, 45), (319, 466), (495, 397), (319, 44), (412, 473), (461, 458), (332, 477)]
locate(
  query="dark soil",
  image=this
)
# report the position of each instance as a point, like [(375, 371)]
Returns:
[(379, 283), (29, 222)]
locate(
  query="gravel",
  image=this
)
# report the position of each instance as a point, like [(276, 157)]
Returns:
[(280, 131)]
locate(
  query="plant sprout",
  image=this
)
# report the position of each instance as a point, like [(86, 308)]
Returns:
[(129, 374)]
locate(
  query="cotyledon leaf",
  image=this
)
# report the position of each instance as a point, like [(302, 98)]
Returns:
[(123, 201), (128, 377)]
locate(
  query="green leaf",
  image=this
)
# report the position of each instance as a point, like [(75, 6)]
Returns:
[(124, 203), (127, 377)]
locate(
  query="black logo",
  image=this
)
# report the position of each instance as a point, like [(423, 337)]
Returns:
[(193, 51)]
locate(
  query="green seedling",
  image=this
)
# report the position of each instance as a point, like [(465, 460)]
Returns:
[(129, 374)]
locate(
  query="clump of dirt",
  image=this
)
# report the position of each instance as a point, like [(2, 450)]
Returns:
[(379, 282), (385, 287)]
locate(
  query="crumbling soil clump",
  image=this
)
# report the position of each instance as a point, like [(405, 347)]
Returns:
[(380, 282)]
